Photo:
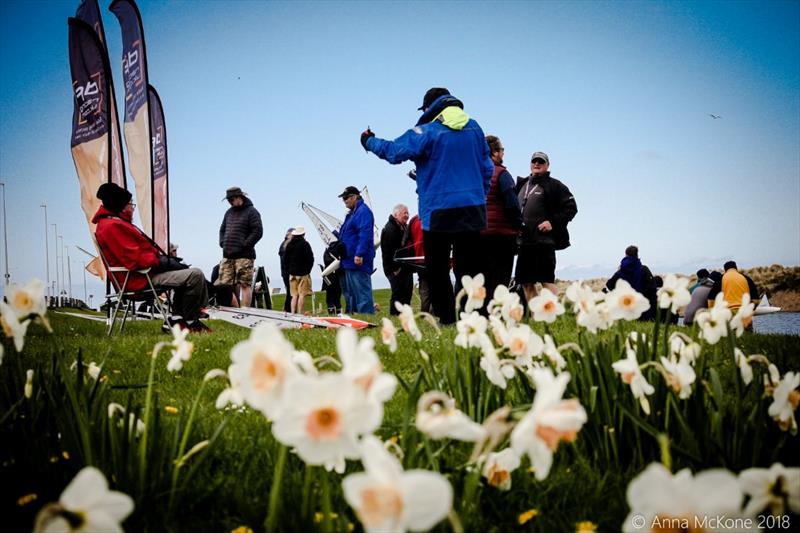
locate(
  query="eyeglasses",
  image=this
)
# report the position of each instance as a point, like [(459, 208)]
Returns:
[(345, 198), (501, 149), (538, 161), (131, 204)]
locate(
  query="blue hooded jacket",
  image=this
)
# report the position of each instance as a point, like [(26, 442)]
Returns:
[(454, 169), (358, 238)]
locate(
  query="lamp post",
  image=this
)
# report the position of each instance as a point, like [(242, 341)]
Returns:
[(5, 232), (69, 271), (63, 273), (85, 298), (58, 284), (46, 252)]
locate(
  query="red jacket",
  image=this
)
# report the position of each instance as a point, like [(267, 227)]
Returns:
[(124, 245)]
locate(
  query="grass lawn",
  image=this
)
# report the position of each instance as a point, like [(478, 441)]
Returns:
[(228, 484)]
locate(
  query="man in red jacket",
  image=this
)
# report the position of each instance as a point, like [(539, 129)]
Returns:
[(125, 245)]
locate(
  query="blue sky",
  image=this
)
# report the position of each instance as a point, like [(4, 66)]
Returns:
[(272, 96)]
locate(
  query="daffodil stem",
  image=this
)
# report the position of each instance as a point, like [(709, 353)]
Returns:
[(184, 441), (275, 491), (327, 519), (147, 408)]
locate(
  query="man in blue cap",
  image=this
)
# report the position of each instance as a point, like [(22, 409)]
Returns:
[(453, 174)]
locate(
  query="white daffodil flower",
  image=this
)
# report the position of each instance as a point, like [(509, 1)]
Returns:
[(28, 299), (744, 366), (28, 389), (498, 371), (594, 318), (438, 418), (785, 399), (549, 421), (498, 467), (660, 501), (682, 349), (499, 330), (180, 348), (323, 417), (387, 498), (551, 351), (134, 424), (232, 395), (524, 344), (774, 488), (631, 373), (475, 291), (680, 376), (12, 327), (506, 304), (407, 321), (471, 330), (389, 334), (545, 307), (262, 366), (674, 294), (361, 364), (714, 322), (625, 303), (743, 316), (86, 505), (94, 370)]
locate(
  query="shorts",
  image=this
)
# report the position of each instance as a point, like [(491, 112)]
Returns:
[(536, 264), (236, 272), (300, 285)]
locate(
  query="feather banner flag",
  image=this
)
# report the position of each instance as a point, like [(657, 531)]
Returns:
[(89, 12), (91, 116), (137, 113), (158, 133)]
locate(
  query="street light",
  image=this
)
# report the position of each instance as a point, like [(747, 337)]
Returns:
[(69, 271), (63, 273), (5, 232), (46, 252), (58, 285)]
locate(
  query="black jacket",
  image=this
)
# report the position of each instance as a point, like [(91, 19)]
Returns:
[(561, 209), (391, 241), (299, 257), (240, 231)]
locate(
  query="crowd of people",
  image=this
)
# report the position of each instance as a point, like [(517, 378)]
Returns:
[(473, 217)]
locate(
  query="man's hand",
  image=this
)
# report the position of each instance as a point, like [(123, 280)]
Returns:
[(545, 226), (366, 135), (357, 260)]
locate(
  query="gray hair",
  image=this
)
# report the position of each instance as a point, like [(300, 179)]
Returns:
[(399, 207)]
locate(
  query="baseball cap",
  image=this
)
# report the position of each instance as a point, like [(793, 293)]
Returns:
[(431, 95), (349, 191)]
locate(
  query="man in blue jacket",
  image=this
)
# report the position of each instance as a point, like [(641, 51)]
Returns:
[(357, 236), (453, 174)]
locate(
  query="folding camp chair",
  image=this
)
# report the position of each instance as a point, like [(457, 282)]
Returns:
[(126, 299)]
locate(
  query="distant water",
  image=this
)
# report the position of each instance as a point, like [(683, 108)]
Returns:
[(784, 323)]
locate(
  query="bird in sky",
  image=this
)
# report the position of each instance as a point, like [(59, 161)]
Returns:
[(715, 117)]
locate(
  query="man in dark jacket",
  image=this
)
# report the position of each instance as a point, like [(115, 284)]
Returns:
[(400, 279), (498, 242), (547, 207), (453, 173), (638, 277), (299, 262), (240, 231), (287, 304)]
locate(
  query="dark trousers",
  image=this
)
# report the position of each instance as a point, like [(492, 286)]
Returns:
[(287, 304), (402, 287), (497, 261), (333, 294), (466, 255)]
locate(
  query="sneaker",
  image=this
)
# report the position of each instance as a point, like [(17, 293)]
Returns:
[(174, 321), (203, 314), (198, 327)]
